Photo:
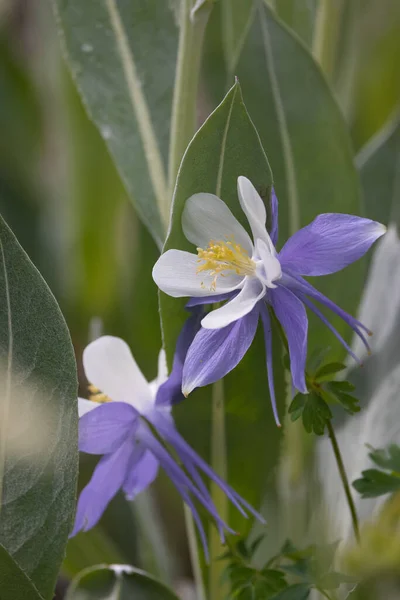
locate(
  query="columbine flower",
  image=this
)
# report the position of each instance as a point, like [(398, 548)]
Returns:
[(251, 276), (115, 423)]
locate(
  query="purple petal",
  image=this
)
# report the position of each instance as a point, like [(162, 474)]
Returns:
[(170, 392), (141, 475), (274, 218), (298, 284), (330, 243), (215, 352), (266, 321), (292, 316), (108, 477), (105, 428)]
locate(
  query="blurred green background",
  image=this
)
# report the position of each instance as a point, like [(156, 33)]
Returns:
[(62, 196)]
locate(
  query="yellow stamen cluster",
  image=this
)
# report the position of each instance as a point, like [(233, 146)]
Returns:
[(223, 256), (97, 395)]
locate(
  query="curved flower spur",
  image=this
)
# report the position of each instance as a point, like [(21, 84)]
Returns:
[(249, 274), (128, 420)]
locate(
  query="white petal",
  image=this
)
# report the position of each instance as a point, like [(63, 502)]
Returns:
[(270, 268), (85, 406), (254, 208), (110, 366), (175, 273), (206, 217), (253, 290)]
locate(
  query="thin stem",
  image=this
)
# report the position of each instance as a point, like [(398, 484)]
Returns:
[(194, 553), (326, 34), (345, 481), (219, 464), (184, 106)]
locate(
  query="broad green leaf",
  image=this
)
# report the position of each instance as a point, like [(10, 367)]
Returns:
[(14, 582), (117, 582), (298, 591), (226, 146), (379, 166), (236, 19), (308, 146), (299, 15), (38, 455), (122, 56)]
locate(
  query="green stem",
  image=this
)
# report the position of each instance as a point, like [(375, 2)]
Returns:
[(326, 34), (184, 106), (219, 464), (345, 481), (194, 553)]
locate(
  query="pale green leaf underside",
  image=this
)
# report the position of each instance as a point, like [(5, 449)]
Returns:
[(38, 454)]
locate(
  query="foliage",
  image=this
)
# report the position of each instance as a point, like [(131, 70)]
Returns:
[(377, 482)]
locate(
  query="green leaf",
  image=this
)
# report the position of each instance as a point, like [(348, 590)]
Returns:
[(327, 370), (388, 458), (14, 582), (226, 146), (314, 411), (117, 582), (298, 591), (39, 454), (375, 483), (299, 15), (236, 20), (378, 164), (307, 142), (122, 56), (336, 391)]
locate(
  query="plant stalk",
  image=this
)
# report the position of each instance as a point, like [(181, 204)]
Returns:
[(184, 106), (345, 481), (194, 553), (219, 464)]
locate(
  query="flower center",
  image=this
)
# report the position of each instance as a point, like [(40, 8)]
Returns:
[(224, 256), (97, 395)]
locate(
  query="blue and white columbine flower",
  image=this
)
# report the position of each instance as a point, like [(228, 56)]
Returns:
[(250, 275), (115, 424)]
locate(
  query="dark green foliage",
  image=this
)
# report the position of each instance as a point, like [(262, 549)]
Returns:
[(377, 482)]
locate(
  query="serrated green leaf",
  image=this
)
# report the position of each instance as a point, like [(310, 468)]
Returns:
[(226, 146), (388, 458), (297, 406), (117, 582), (327, 370), (122, 56), (375, 483), (341, 386), (14, 582), (39, 454), (315, 414), (298, 591)]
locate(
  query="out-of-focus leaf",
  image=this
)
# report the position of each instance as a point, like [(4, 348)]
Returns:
[(328, 370), (307, 143), (375, 483), (298, 591), (117, 582), (39, 455), (226, 146), (299, 15), (14, 582), (379, 166), (236, 19), (122, 56), (388, 458)]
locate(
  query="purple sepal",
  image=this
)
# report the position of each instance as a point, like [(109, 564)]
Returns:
[(215, 352), (292, 315), (328, 244), (105, 428)]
